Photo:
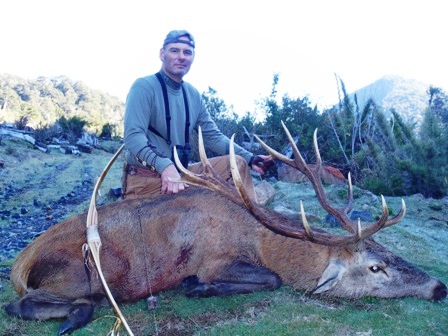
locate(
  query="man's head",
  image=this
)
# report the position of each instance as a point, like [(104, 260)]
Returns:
[(174, 36), (177, 54)]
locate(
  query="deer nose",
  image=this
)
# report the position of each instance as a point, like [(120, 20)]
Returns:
[(440, 292)]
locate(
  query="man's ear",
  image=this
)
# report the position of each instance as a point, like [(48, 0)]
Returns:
[(162, 55)]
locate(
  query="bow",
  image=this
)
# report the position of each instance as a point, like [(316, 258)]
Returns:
[(94, 241)]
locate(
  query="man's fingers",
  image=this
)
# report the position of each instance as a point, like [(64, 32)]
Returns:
[(181, 187), (173, 187)]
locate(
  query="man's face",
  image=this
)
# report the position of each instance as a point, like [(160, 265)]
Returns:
[(177, 59)]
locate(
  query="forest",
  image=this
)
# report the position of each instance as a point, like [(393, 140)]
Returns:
[(385, 155)]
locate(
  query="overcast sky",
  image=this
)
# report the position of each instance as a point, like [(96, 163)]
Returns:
[(240, 44)]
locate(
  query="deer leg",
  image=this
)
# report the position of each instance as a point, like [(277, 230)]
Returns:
[(238, 278), (79, 316), (42, 305)]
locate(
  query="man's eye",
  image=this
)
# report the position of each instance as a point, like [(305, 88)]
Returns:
[(188, 52)]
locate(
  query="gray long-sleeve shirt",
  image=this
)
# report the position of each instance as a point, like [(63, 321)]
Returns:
[(145, 106)]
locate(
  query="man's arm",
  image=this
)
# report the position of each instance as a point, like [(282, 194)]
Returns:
[(136, 121)]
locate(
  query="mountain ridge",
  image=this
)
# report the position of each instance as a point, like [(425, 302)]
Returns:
[(408, 97)]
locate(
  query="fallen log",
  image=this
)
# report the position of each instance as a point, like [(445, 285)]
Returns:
[(18, 135)]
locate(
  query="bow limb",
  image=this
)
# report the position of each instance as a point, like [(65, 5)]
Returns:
[(94, 239)]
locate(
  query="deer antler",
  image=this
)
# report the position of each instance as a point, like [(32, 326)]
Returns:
[(314, 175), (208, 178), (276, 221)]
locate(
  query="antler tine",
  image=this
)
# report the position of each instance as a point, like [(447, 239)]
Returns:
[(202, 154), (182, 169), (378, 225), (316, 149), (237, 177), (384, 221), (349, 206), (274, 153), (399, 216), (208, 178), (306, 226), (298, 159)]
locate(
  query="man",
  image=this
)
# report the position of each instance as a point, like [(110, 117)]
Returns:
[(161, 112)]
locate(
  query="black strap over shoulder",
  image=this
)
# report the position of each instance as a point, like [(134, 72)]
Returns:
[(167, 111), (187, 119), (186, 148)]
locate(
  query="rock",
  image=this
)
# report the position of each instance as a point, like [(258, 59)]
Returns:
[(265, 191), (83, 148), (363, 216), (330, 175)]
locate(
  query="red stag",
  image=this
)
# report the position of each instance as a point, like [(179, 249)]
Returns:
[(217, 239)]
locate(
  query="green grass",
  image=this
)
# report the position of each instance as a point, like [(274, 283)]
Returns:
[(283, 312)]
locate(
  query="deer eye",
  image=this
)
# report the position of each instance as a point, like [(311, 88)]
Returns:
[(375, 269)]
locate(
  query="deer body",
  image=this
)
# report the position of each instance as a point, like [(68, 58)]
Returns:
[(153, 245), (214, 243)]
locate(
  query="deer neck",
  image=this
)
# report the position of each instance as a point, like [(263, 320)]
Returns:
[(299, 263)]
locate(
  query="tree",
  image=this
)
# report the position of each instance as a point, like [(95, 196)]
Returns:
[(297, 113), (431, 167), (225, 119), (377, 151), (438, 102), (72, 128), (108, 131)]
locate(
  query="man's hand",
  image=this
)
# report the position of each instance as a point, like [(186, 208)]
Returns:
[(169, 187), (262, 163)]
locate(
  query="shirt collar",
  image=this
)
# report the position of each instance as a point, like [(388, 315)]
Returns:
[(169, 82)]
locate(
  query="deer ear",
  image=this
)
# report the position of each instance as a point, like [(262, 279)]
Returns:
[(331, 276)]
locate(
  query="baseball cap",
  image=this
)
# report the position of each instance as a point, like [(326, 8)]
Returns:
[(174, 35)]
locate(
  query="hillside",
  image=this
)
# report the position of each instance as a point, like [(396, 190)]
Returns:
[(44, 100), (408, 97)]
